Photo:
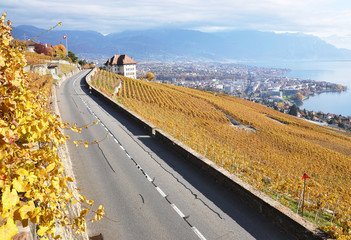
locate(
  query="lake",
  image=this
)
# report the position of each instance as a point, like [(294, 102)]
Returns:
[(329, 71)]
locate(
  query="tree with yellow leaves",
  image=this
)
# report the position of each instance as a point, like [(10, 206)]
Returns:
[(60, 51), (150, 76), (33, 184)]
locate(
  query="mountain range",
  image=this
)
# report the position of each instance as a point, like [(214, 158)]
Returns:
[(190, 45)]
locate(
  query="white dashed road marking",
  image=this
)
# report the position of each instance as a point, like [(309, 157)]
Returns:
[(178, 211), (161, 192)]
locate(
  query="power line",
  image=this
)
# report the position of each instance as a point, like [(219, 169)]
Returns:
[(51, 28)]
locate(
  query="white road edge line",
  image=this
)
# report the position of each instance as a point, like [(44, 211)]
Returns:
[(198, 233), (177, 210), (161, 192), (122, 147)]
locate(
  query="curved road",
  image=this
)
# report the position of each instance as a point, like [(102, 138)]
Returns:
[(148, 190)]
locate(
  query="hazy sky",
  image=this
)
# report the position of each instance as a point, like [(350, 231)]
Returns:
[(328, 19)]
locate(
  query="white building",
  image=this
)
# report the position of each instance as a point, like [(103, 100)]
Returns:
[(123, 65)]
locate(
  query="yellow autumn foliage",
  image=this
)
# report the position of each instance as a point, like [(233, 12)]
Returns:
[(60, 51), (32, 180)]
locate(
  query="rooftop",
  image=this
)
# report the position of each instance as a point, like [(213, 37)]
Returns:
[(120, 60)]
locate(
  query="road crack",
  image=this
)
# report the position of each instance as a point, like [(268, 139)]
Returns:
[(142, 199), (103, 154), (187, 188)]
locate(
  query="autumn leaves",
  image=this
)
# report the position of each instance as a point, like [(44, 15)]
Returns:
[(33, 183)]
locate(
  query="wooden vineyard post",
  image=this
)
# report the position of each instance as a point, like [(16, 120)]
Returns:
[(304, 177)]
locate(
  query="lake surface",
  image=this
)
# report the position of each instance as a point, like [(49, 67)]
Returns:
[(329, 71)]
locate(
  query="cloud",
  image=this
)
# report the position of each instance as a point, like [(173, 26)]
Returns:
[(320, 17), (212, 28)]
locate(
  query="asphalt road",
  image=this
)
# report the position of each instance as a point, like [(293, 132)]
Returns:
[(147, 189)]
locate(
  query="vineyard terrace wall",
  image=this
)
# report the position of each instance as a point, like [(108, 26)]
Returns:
[(276, 212)]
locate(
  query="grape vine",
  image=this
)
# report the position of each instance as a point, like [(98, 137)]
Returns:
[(34, 187)]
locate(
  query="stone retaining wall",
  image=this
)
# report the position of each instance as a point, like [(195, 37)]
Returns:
[(65, 76)]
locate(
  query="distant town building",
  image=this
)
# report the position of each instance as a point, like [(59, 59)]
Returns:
[(273, 92), (123, 65), (228, 88)]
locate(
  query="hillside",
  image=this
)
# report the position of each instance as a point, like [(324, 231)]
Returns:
[(177, 44), (266, 148)]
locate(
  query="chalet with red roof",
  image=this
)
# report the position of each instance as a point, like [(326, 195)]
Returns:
[(121, 64)]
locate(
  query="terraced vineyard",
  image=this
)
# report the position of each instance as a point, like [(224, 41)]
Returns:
[(36, 58), (269, 149), (105, 82)]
